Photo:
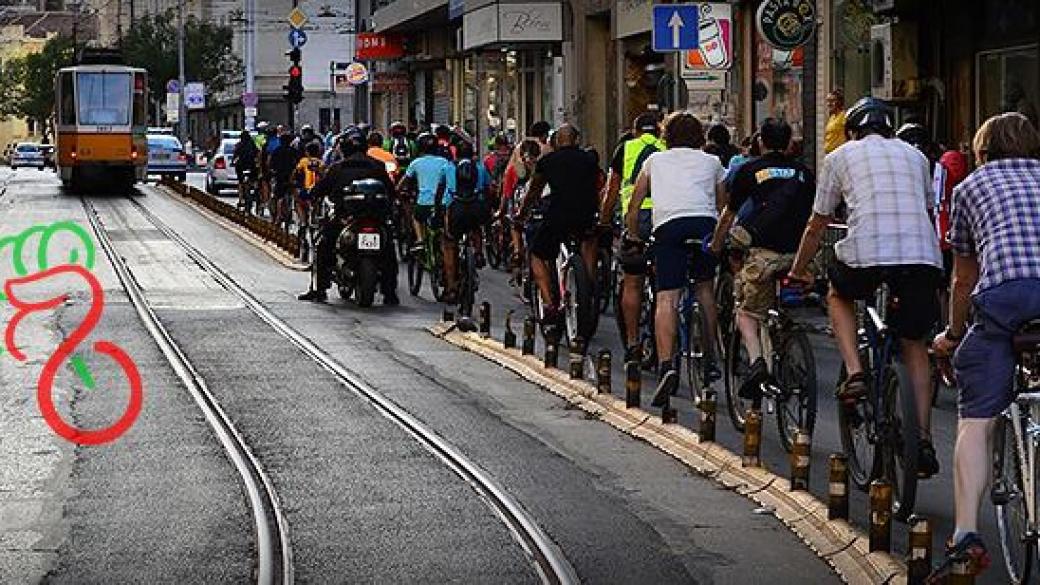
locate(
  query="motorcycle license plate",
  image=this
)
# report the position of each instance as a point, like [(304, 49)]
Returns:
[(368, 242)]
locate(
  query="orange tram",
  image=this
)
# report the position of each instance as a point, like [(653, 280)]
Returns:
[(101, 117)]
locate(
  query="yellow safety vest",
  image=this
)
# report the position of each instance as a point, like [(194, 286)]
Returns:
[(633, 150)]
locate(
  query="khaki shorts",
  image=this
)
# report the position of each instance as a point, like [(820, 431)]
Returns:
[(755, 283)]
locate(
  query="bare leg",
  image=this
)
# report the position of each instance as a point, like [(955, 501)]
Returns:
[(590, 255), (631, 306), (843, 320), (665, 324), (915, 356), (706, 297), (748, 325), (542, 278), (972, 462), (451, 257)]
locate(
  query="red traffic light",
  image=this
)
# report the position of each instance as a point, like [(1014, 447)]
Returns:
[(295, 71)]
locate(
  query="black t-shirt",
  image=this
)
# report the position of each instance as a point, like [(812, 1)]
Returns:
[(617, 162), (781, 191), (348, 170), (571, 174)]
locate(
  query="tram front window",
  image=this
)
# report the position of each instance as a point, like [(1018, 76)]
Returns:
[(104, 98)]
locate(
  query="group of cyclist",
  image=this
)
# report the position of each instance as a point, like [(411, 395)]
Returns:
[(666, 186)]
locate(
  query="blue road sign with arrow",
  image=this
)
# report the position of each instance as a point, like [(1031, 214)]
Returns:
[(297, 38), (675, 27)]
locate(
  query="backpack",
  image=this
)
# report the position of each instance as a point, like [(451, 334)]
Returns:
[(399, 148), (465, 180)]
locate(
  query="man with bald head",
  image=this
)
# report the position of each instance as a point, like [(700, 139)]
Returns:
[(569, 207)]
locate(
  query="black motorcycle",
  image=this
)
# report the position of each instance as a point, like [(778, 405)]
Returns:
[(366, 241)]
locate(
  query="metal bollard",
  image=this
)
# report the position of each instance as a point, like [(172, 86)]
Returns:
[(708, 406), (551, 353), (752, 439), (528, 347), (509, 339), (577, 359), (801, 457), (838, 487), (633, 384), (603, 372), (919, 553), (485, 319), (962, 573), (880, 516), (448, 316)]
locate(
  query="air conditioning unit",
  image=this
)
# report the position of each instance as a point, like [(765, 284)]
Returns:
[(893, 58)]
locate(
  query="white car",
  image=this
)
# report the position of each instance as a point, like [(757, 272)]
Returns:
[(219, 172), (28, 154)]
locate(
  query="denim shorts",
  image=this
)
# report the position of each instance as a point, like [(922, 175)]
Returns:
[(671, 256), (985, 362)]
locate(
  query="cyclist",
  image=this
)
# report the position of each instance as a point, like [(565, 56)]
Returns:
[(400, 145), (432, 175), (887, 189), (308, 171), (995, 234), (244, 159), (688, 192), (308, 136), (466, 211), (445, 146), (376, 151), (354, 166), (282, 162), (780, 190), (495, 163), (625, 165), (514, 190), (570, 174)]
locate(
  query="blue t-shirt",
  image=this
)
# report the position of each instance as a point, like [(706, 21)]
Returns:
[(430, 172), (272, 144)]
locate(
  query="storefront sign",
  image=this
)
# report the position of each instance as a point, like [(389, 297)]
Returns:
[(376, 46), (786, 24), (633, 17), (715, 52), (512, 23), (387, 82), (356, 74)]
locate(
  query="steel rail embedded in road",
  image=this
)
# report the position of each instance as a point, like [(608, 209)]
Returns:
[(274, 548), (549, 560)]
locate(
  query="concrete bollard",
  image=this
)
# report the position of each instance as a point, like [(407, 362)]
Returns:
[(576, 360), (485, 319), (509, 337), (448, 315), (801, 457), (708, 407), (752, 439), (603, 372), (880, 516), (919, 553), (633, 384), (838, 487), (551, 353), (528, 346), (962, 573)]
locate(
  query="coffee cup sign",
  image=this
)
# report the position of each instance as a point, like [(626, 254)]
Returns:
[(786, 24)]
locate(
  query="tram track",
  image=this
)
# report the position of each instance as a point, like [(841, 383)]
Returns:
[(548, 559)]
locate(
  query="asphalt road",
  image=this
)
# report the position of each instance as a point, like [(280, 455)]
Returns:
[(363, 500)]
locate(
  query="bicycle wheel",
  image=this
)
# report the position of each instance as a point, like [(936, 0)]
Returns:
[(415, 273), (491, 247), (796, 373), (856, 426), (467, 286), (900, 439), (1009, 499), (725, 302), (738, 366), (579, 302)]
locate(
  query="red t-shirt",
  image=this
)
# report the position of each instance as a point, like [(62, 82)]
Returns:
[(953, 168)]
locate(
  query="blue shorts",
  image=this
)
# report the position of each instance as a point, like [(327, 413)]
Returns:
[(672, 256), (985, 362)]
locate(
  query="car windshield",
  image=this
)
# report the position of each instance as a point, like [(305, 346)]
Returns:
[(104, 98), (164, 143), (229, 147), (28, 148)]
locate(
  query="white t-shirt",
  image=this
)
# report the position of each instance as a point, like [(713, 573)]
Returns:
[(683, 182)]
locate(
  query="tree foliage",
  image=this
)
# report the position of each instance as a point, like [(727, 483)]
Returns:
[(152, 44), (27, 82)]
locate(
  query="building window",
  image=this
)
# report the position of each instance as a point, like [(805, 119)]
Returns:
[(1006, 81), (850, 65), (30, 125)]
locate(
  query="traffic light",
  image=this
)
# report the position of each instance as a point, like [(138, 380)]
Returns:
[(294, 89)]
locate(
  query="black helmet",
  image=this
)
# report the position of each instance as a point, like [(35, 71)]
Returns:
[(352, 142), (427, 143), (442, 131), (870, 113), (913, 133)]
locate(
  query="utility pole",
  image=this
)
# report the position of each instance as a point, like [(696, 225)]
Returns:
[(182, 114), (250, 50)]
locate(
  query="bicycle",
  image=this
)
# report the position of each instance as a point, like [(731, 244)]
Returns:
[(427, 259), (469, 281), (1015, 448), (646, 340), (790, 362), (574, 290), (690, 340), (606, 269), (879, 432)]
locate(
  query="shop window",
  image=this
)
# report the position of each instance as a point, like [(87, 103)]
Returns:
[(1006, 81), (851, 57)]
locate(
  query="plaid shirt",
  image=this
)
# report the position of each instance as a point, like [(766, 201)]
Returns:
[(996, 214), (887, 187)]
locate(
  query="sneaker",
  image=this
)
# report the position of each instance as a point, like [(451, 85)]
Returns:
[(317, 296), (752, 386), (668, 385), (927, 462), (970, 549), (853, 388)]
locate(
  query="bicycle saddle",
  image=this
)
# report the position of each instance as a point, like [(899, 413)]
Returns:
[(1027, 338)]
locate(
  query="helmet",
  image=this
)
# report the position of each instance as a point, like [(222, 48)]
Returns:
[(913, 133), (869, 113), (398, 127), (352, 142), (427, 143), (442, 131), (261, 127)]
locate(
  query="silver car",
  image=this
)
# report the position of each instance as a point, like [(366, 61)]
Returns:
[(28, 154), (220, 174)]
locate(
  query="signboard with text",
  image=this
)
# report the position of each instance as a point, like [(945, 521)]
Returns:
[(706, 66), (376, 46)]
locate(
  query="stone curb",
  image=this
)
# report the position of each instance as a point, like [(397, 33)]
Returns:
[(279, 255), (838, 543)]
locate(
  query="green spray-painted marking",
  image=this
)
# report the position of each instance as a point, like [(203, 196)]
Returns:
[(82, 372)]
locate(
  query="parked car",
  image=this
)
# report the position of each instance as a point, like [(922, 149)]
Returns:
[(166, 157), (27, 154), (48, 155), (220, 174)]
